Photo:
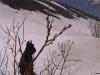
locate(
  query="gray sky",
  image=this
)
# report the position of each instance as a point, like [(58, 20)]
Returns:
[(90, 6)]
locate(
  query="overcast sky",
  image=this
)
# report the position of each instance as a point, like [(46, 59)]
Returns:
[(89, 6)]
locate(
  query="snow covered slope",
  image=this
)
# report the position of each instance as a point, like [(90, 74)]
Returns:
[(86, 47), (54, 8)]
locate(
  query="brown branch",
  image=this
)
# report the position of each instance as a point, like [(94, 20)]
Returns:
[(13, 36), (50, 41), (59, 66)]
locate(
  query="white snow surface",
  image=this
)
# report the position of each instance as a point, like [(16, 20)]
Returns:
[(58, 4), (85, 47), (45, 4)]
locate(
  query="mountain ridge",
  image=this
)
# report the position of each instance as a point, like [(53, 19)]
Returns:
[(44, 7)]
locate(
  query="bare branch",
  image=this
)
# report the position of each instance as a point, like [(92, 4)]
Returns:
[(55, 66), (15, 43), (47, 40)]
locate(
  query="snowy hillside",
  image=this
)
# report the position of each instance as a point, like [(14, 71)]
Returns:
[(54, 8), (85, 48)]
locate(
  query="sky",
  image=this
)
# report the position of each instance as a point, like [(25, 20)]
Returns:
[(89, 6)]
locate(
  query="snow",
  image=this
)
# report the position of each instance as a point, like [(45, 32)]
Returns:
[(86, 47), (45, 5), (58, 4)]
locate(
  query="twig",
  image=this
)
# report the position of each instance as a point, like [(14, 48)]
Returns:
[(47, 40)]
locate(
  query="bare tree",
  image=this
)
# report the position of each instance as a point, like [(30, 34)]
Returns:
[(58, 61), (95, 28), (4, 60), (15, 42)]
